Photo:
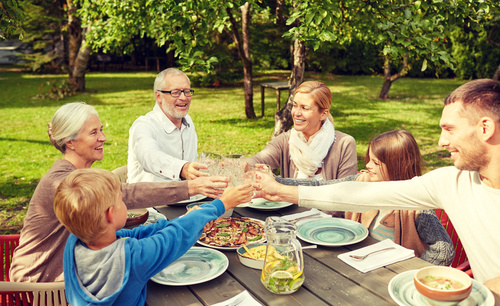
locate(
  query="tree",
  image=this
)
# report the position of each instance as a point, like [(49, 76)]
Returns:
[(186, 26), (493, 36), (406, 29), (44, 32), (11, 18), (496, 75), (78, 50), (243, 45)]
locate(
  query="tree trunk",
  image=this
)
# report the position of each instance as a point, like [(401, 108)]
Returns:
[(279, 12), (384, 93), (243, 45), (247, 62), (283, 118), (388, 78), (81, 63), (79, 51), (496, 76), (75, 37)]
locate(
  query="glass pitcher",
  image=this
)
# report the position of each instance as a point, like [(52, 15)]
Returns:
[(283, 271)]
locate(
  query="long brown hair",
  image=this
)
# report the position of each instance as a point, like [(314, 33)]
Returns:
[(399, 151)]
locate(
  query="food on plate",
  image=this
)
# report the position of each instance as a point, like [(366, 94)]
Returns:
[(441, 283), (260, 252), (233, 232)]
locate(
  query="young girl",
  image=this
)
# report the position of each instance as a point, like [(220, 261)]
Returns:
[(393, 156)]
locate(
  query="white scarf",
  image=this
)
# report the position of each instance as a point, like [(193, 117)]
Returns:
[(308, 156)]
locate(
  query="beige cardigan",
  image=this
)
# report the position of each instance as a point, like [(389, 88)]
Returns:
[(341, 160)]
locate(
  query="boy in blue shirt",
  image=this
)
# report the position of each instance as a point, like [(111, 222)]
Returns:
[(103, 268)]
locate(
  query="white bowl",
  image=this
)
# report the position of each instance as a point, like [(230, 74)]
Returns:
[(250, 262), (438, 296)]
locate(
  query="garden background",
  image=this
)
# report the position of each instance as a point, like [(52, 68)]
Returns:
[(389, 65)]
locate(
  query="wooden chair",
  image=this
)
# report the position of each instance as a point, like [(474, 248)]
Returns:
[(121, 172), (39, 294), (7, 245), (460, 261)]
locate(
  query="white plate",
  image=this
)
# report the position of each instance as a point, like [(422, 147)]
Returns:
[(331, 231), (194, 198), (154, 216), (263, 204), (403, 292), (261, 240), (197, 266)]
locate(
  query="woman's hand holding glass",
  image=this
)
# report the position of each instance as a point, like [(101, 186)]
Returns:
[(266, 185)]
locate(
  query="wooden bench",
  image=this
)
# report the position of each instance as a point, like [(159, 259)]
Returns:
[(275, 85)]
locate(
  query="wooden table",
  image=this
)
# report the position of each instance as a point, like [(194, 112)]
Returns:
[(274, 85), (154, 58), (328, 280)]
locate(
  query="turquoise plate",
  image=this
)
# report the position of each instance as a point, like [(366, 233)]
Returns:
[(403, 292), (264, 204), (197, 266), (331, 231)]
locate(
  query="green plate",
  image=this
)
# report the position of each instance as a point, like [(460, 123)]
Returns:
[(331, 231), (263, 204), (197, 266)]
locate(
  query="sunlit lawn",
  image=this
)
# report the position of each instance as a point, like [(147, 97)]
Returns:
[(219, 117)]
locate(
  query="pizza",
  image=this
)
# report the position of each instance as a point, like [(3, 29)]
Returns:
[(233, 232)]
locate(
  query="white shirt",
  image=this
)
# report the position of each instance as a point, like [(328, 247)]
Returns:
[(473, 207), (157, 149)]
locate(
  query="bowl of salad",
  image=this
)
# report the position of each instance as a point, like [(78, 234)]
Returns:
[(136, 216)]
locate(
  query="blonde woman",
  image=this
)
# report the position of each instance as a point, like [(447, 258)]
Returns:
[(312, 149)]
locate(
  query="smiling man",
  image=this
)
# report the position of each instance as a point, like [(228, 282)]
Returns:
[(163, 143), (469, 192)]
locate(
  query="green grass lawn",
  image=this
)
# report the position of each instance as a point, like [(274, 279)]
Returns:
[(218, 113)]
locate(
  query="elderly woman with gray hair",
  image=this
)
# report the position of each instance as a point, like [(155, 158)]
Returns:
[(77, 132)]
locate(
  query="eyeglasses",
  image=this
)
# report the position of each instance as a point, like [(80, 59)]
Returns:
[(177, 92)]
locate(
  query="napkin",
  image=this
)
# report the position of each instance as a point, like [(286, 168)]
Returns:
[(377, 260), (242, 299), (313, 212)]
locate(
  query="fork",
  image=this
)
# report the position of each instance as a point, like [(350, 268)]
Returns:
[(314, 215), (359, 257)]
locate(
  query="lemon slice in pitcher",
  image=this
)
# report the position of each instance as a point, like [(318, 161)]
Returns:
[(282, 275), (295, 284)]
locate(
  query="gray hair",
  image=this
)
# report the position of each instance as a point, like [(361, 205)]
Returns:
[(160, 78), (67, 122)]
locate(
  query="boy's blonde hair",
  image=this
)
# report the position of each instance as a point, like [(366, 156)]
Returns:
[(82, 199)]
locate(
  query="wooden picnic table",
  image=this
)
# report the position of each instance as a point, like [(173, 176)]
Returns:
[(278, 86), (328, 280)]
